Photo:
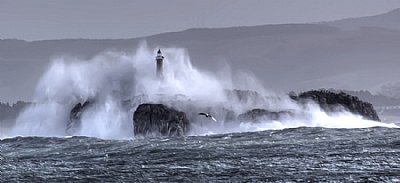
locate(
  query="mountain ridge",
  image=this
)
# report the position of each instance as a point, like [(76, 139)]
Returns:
[(284, 57), (388, 20)]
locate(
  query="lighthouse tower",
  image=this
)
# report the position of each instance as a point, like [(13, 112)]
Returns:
[(159, 62)]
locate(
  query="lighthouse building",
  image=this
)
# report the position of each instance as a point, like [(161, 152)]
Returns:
[(159, 63)]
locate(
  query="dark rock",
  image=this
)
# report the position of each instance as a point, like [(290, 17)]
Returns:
[(292, 94), (75, 116), (257, 115), (159, 120), (335, 101)]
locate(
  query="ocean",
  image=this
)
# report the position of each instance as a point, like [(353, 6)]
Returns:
[(303, 154)]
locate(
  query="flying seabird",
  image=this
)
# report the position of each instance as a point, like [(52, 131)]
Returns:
[(208, 116)]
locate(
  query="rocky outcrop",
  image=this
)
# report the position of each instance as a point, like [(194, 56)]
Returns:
[(159, 120), (334, 101), (257, 115), (75, 116)]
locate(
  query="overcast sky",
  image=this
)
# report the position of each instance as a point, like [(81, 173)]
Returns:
[(57, 19)]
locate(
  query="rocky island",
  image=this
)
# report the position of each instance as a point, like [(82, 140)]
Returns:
[(157, 119)]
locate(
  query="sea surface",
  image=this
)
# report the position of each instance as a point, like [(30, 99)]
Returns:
[(310, 154)]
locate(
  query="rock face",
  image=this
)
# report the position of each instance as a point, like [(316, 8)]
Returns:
[(159, 120), (331, 101), (75, 116), (257, 115)]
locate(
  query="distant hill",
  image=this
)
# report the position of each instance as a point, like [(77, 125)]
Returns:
[(390, 20), (283, 57)]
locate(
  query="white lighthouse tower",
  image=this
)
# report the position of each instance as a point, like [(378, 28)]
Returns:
[(159, 63)]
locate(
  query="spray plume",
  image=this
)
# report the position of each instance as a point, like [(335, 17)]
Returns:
[(114, 77)]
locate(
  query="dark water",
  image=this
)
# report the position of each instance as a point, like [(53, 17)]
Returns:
[(290, 155)]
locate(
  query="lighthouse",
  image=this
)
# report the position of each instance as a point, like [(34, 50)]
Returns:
[(159, 63)]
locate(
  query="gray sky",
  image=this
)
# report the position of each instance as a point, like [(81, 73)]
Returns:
[(57, 19)]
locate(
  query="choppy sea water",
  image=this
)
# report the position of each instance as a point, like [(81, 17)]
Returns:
[(289, 155)]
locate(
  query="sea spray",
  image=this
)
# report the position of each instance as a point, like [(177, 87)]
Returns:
[(107, 120), (112, 78)]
